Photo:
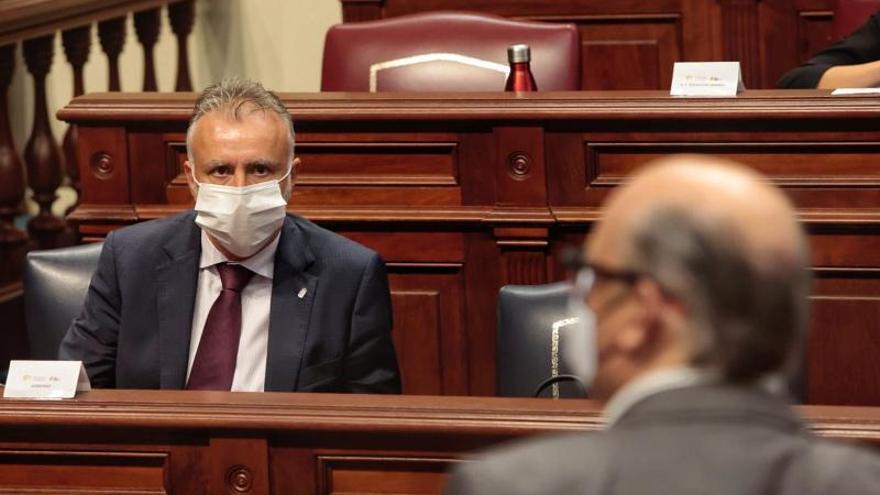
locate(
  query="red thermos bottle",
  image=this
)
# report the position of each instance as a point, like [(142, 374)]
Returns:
[(520, 77)]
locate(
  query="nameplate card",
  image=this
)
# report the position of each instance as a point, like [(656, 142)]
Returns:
[(45, 380), (855, 91), (706, 79)]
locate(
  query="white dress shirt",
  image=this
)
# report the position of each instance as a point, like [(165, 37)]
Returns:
[(256, 302)]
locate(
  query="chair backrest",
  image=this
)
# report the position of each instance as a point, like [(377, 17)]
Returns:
[(55, 285), (446, 51), (849, 15), (534, 325)]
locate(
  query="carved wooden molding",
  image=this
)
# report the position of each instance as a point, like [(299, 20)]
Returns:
[(354, 412), (42, 155), (77, 42), (550, 106), (146, 25), (25, 19), (111, 32), (182, 16), (12, 185)]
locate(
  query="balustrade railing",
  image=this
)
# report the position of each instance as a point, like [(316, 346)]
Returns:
[(45, 162)]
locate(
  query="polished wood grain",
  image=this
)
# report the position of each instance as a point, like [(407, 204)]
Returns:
[(462, 193), (111, 33), (136, 441)]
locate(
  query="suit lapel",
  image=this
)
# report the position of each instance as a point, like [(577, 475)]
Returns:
[(293, 292), (177, 281)]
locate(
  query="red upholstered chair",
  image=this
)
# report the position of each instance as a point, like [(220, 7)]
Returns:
[(446, 51), (849, 15)]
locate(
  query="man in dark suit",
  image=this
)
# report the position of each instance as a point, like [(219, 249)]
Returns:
[(693, 295), (237, 294)]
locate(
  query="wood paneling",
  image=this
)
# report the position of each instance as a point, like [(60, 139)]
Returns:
[(350, 474), (622, 54), (481, 190), (846, 337), (429, 329), (86, 471), (632, 44), (193, 443)]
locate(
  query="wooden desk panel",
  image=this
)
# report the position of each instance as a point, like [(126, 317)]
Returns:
[(462, 193), (272, 443)]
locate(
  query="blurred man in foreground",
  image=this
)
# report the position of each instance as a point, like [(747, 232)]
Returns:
[(697, 281)]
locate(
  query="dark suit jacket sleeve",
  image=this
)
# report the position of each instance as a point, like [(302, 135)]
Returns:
[(371, 364), (464, 480), (860, 47), (93, 335)]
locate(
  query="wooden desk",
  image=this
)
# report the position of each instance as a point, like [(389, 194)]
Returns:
[(463, 193), (210, 442)]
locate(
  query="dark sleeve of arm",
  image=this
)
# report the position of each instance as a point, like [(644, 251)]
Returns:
[(860, 47), (465, 480), (371, 364), (93, 335)]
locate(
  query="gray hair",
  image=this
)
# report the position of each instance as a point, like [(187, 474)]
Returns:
[(235, 96), (749, 319)]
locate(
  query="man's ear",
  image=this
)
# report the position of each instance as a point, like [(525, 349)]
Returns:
[(188, 172), (641, 338), (294, 168)]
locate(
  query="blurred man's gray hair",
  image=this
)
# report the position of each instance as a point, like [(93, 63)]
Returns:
[(750, 318)]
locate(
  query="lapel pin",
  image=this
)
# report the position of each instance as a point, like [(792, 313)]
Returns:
[(302, 293)]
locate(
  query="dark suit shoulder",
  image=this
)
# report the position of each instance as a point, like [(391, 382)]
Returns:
[(834, 467), (332, 248), (553, 464), (154, 233)]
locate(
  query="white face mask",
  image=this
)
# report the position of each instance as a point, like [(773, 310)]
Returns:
[(241, 219), (580, 352)]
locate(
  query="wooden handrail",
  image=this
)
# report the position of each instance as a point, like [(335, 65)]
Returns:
[(25, 19), (35, 24)]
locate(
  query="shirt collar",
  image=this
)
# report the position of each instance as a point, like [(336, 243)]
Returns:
[(650, 384), (262, 263)]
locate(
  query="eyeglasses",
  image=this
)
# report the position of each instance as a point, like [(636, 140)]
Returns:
[(587, 272)]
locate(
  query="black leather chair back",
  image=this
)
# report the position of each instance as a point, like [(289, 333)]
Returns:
[(533, 322), (55, 285)]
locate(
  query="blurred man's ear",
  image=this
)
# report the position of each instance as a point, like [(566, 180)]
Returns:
[(663, 318), (641, 339)]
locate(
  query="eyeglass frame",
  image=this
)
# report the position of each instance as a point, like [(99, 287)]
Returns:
[(587, 272)]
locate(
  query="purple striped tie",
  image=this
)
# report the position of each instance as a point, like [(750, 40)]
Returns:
[(214, 365)]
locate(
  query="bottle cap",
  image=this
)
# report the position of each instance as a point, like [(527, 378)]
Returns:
[(518, 53)]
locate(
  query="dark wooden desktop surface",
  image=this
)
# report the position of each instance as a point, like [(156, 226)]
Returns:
[(133, 441), (465, 192)]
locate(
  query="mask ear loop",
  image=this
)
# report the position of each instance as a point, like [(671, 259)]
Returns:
[(193, 173), (287, 174)]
